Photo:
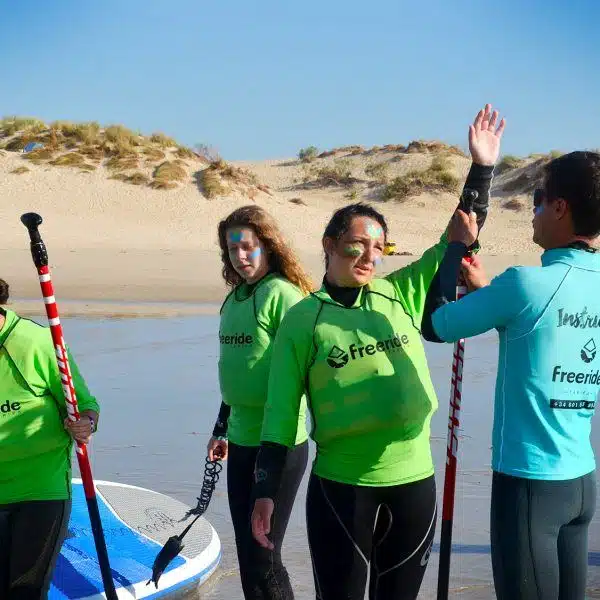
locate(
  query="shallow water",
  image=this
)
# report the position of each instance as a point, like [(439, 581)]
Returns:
[(157, 382)]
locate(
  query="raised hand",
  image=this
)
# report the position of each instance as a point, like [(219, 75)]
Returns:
[(484, 136)]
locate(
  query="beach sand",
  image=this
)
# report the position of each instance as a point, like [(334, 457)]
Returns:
[(118, 249)]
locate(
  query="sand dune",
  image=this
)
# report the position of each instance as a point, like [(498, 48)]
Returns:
[(118, 245)]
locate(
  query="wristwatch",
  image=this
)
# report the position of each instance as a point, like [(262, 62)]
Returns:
[(92, 424)]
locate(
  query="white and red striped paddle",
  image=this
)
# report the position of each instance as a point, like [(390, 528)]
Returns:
[(40, 258), (467, 201)]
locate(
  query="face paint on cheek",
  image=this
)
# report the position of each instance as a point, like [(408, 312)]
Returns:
[(374, 231), (378, 261), (352, 251), (538, 210), (255, 254)]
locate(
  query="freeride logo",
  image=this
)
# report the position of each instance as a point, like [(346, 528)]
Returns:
[(338, 357), (238, 339), (9, 407), (588, 352), (591, 378)]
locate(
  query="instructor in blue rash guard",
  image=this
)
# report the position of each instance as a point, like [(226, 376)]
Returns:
[(548, 319)]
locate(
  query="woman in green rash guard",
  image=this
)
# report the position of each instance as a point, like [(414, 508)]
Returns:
[(267, 280), (354, 347), (35, 454)]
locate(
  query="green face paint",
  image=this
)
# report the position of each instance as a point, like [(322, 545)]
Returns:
[(354, 251), (374, 231)]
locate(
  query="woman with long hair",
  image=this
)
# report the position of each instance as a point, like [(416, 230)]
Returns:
[(266, 280), (354, 348)]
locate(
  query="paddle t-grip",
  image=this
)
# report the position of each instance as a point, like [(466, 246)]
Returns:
[(38, 249)]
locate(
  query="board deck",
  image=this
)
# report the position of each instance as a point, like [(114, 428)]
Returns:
[(136, 522)]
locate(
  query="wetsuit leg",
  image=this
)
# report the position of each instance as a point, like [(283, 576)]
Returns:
[(4, 550), (37, 531), (534, 524), (402, 541), (262, 572), (353, 529), (573, 544), (340, 519)]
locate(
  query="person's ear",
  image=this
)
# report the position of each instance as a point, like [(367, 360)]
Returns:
[(328, 246), (560, 208)]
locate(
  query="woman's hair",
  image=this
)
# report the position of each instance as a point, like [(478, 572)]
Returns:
[(281, 258), (3, 292), (342, 219)]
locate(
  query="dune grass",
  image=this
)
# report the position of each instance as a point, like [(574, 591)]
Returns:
[(379, 171), (170, 171), (211, 183), (183, 152), (122, 163), (20, 170), (137, 178), (92, 152), (338, 173), (39, 155), (308, 154), (159, 184), (438, 177), (11, 125), (508, 163), (153, 154), (71, 159), (162, 140), (86, 133)]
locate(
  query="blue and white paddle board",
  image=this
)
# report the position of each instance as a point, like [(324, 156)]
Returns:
[(136, 522)]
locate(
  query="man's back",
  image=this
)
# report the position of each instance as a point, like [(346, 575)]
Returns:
[(548, 378)]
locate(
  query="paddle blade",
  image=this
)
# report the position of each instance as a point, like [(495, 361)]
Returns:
[(168, 552)]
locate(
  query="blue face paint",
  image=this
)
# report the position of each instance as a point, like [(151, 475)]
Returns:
[(235, 236), (538, 209), (378, 261), (374, 231), (255, 253)]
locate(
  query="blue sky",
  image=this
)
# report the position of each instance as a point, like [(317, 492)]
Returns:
[(263, 79)]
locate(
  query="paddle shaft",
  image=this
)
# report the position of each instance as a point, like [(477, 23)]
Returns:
[(451, 461), (40, 259)]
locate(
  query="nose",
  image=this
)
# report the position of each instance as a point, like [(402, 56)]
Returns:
[(239, 254), (370, 254)]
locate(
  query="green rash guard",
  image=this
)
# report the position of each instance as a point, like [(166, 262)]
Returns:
[(35, 449), (366, 377), (250, 318)]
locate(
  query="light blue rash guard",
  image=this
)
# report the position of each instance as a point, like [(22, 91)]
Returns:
[(548, 320)]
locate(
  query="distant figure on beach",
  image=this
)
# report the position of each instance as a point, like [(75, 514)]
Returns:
[(548, 320), (354, 348), (35, 454), (267, 280)]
